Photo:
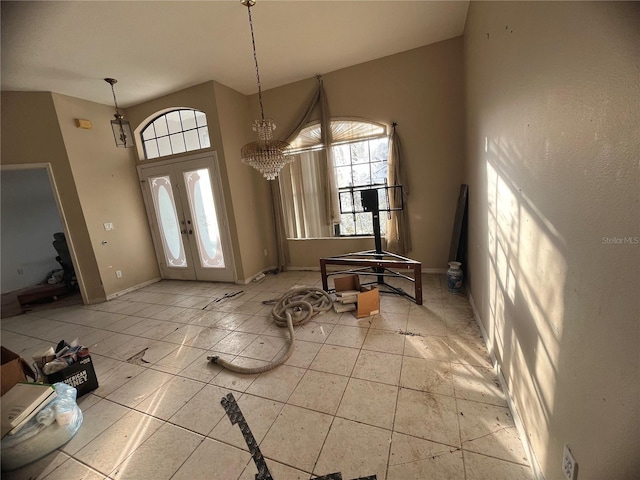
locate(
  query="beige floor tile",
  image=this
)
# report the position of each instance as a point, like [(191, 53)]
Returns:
[(335, 359), (319, 391), (131, 347), (259, 414), (234, 343), (238, 382), (303, 354), (428, 416), (296, 437), (119, 441), (349, 319), (330, 317), (179, 358), (427, 375), (208, 337), (142, 326), (468, 351), (427, 325), (477, 383), (255, 324), (160, 456), (170, 397), (96, 419), (201, 368), (429, 347), (490, 430), (162, 330), (384, 341), (480, 467), (378, 367), (277, 384), (369, 402), (347, 336), (264, 348), (202, 412), (230, 321), (213, 460), (355, 450), (415, 458), (393, 304), (106, 344), (313, 331), (72, 469), (139, 388), (184, 335), (112, 374)]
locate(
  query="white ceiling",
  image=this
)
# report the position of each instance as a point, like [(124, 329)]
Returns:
[(154, 48)]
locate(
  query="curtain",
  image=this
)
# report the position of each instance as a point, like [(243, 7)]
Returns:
[(330, 212), (303, 201), (398, 239)]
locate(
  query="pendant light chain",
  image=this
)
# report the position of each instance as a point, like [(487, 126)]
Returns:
[(255, 59)]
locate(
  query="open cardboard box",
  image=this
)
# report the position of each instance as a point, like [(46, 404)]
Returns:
[(368, 297), (14, 369)]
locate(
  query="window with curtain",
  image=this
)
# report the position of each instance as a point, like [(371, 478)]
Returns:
[(360, 151), (178, 131)]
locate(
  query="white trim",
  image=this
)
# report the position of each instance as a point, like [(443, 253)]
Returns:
[(133, 289), (524, 438)]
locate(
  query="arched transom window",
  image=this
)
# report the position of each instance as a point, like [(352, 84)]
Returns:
[(177, 131)]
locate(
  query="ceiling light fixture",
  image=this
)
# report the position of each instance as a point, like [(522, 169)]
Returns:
[(267, 155), (121, 128)]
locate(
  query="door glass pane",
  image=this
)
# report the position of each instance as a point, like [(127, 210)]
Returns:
[(167, 218), (205, 221)]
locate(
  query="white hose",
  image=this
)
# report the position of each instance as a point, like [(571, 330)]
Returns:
[(295, 307)]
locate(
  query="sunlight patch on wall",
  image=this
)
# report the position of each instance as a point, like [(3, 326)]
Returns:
[(527, 275)]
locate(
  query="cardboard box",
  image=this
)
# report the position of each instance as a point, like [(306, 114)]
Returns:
[(80, 375), (14, 369), (368, 299)]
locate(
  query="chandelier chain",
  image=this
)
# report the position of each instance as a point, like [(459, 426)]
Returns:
[(255, 59), (114, 99)]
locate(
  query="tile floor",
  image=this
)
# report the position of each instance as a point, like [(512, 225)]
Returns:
[(406, 394)]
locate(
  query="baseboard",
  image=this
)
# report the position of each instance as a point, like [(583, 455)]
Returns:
[(133, 289), (533, 461)]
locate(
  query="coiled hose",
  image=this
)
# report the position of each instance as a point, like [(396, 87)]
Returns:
[(295, 307)]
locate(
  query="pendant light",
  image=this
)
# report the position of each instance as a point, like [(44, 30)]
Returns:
[(121, 127)]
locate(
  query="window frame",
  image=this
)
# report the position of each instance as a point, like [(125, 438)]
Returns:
[(201, 128)]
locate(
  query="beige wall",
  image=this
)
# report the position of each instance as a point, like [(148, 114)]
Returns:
[(108, 190), (30, 134), (553, 120), (250, 191), (421, 90)]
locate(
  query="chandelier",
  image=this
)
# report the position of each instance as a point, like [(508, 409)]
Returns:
[(267, 155), (121, 128)]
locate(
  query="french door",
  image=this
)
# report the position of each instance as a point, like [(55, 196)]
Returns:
[(186, 212)]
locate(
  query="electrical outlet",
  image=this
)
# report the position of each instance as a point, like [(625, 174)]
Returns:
[(266, 252), (569, 465), (108, 226), (119, 273)]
